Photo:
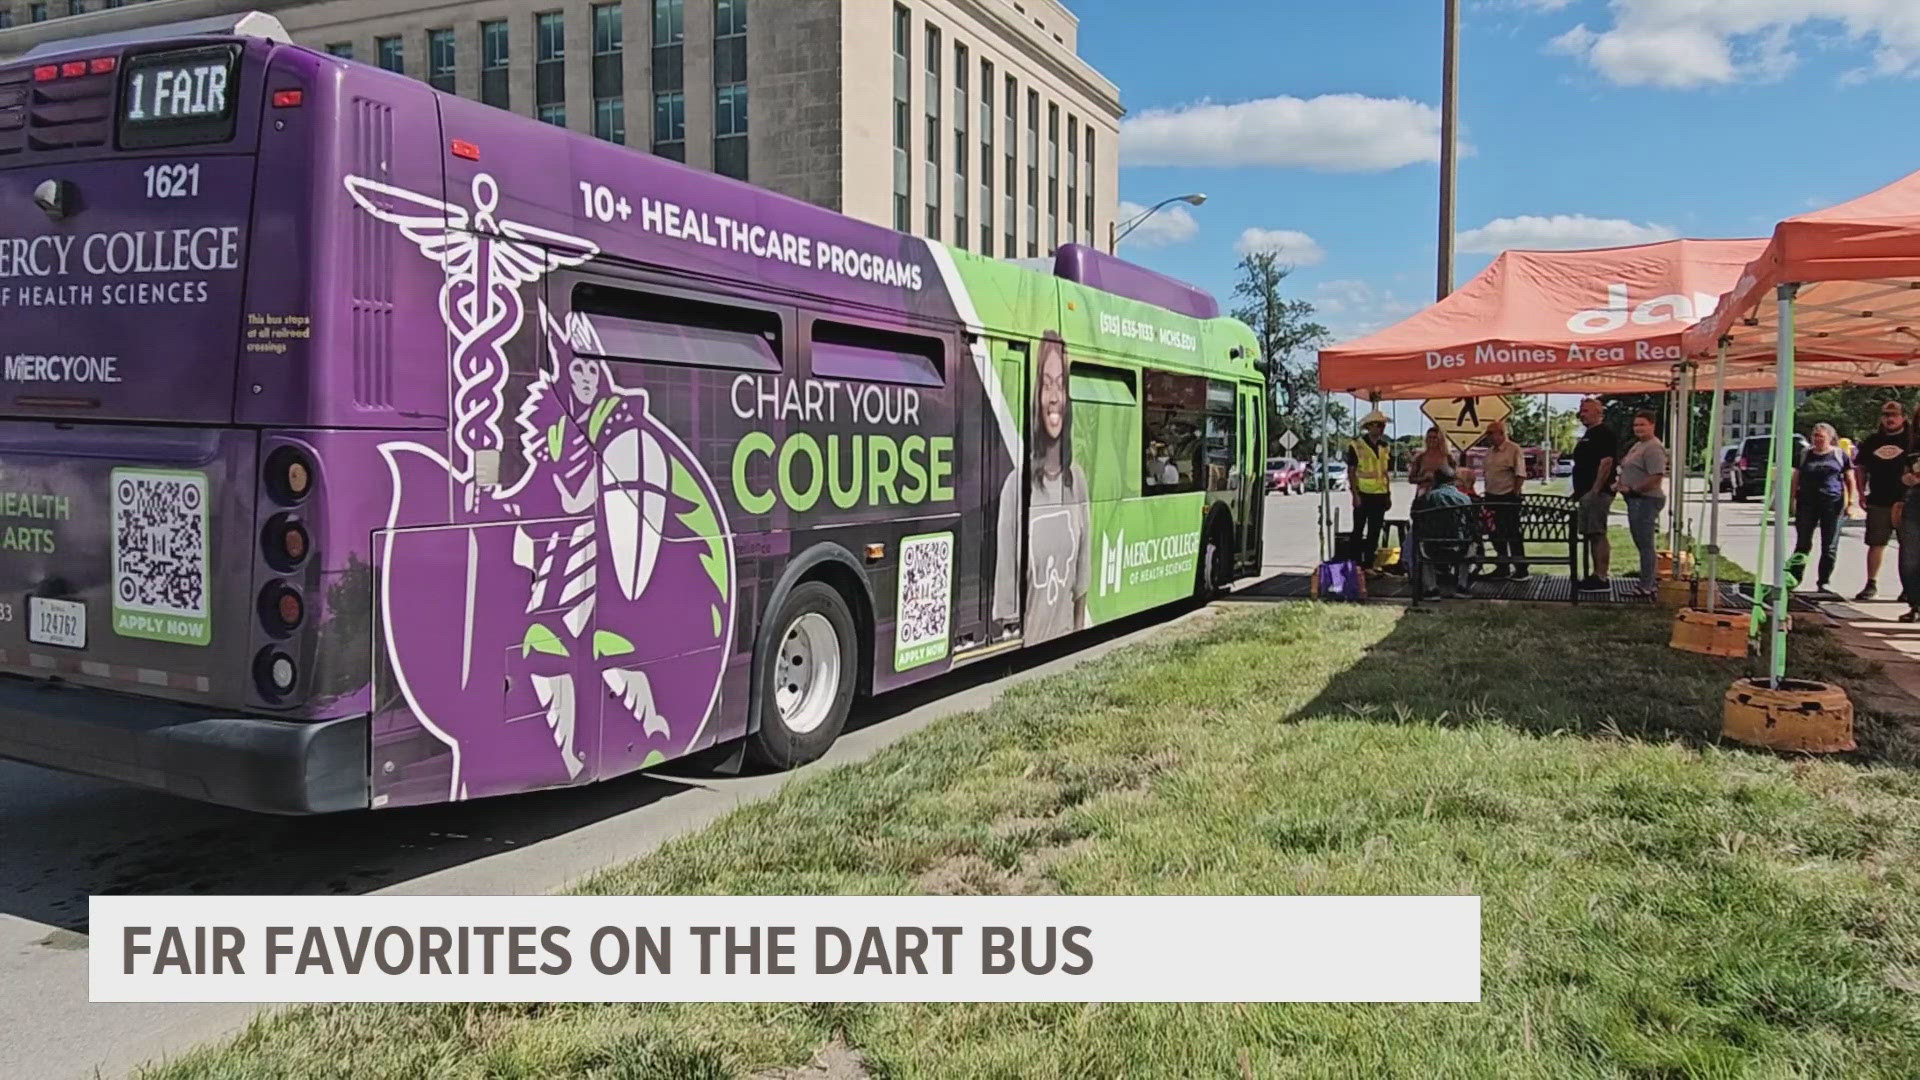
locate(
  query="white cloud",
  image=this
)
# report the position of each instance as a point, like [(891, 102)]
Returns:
[(1172, 225), (1331, 133), (1688, 43), (1293, 248), (1350, 308), (1561, 232)]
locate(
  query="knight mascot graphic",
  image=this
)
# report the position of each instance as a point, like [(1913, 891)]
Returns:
[(573, 622)]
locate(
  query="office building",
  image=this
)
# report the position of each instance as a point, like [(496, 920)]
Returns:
[(974, 122)]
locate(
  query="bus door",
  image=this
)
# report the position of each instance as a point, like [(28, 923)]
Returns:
[(1005, 424), (1250, 514)]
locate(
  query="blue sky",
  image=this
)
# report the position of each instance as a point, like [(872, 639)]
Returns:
[(1589, 122)]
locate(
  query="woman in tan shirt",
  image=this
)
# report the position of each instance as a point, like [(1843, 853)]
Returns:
[(1435, 454)]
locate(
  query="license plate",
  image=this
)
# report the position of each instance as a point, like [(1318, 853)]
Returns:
[(57, 622)]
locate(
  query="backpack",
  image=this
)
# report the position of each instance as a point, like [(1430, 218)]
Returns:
[(1338, 579)]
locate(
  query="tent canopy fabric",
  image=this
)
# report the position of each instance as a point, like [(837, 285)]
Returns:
[(1857, 314), (1601, 321)]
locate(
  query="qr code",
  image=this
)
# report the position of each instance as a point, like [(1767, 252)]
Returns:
[(160, 542), (926, 590)]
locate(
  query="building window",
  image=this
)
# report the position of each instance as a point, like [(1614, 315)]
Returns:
[(609, 81), (669, 22), (988, 119), (730, 131), (1073, 179), (550, 68), (902, 119), (1093, 174), (1033, 174), (1053, 178), (962, 148), (495, 53), (341, 49), (1011, 194), (730, 88), (670, 125), (934, 181), (393, 54), (669, 79), (440, 60)]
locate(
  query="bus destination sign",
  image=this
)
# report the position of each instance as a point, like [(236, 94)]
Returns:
[(177, 86)]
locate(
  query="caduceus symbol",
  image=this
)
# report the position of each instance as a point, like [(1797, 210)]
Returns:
[(487, 262)]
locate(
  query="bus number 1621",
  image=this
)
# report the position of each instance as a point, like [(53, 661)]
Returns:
[(173, 181)]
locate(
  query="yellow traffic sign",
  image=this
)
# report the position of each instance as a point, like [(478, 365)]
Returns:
[(1465, 420)]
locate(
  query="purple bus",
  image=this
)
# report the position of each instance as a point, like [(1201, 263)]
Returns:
[(363, 446)]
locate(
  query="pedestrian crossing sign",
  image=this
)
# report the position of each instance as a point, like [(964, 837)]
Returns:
[(1465, 419)]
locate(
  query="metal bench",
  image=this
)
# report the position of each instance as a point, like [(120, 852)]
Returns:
[(1462, 537)]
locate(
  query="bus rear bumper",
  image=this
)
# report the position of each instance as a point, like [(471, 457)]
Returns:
[(253, 763)]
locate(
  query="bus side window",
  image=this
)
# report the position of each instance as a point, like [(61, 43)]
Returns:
[(1173, 434), (658, 329), (871, 354)]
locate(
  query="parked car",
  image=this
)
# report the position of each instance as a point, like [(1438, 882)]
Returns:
[(1286, 476), (1335, 477), (1563, 467), (1727, 471), (1756, 456)]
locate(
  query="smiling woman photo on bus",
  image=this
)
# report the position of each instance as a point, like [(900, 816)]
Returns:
[(1059, 543)]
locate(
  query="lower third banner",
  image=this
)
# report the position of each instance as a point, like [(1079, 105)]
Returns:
[(785, 948)]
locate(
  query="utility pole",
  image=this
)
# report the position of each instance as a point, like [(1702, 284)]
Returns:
[(1449, 139)]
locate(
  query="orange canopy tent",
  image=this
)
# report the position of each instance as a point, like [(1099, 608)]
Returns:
[(1834, 298), (1599, 321), (1855, 269)]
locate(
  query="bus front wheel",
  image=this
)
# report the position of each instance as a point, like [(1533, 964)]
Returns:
[(807, 672)]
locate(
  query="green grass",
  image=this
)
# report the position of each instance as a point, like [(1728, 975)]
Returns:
[(1624, 559), (1656, 904)]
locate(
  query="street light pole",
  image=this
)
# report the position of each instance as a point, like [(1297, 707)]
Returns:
[(1449, 139), (1117, 232)]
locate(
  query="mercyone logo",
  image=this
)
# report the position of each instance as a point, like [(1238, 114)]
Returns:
[(1671, 308), (1123, 564)]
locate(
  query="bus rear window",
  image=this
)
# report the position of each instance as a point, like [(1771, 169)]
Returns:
[(182, 97)]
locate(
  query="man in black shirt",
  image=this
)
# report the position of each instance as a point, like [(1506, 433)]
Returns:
[(1880, 459), (1593, 461)]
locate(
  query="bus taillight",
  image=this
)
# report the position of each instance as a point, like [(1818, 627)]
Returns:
[(281, 608), (289, 476), (276, 673), (285, 543)]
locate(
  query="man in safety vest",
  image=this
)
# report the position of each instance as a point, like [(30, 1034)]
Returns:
[(1370, 464)]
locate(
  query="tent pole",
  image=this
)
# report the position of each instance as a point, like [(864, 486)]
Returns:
[(1715, 419), (1782, 485), (1326, 488)]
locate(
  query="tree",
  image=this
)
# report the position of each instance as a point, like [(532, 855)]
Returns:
[(1289, 343), (1533, 422), (1854, 411)]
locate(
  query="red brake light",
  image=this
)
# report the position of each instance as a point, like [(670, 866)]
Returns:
[(46, 73), (73, 69), (464, 149), (102, 65), (1740, 464), (288, 99)]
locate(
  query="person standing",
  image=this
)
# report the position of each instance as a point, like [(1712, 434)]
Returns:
[(1428, 461), (1879, 470), (1909, 565), (1506, 473), (1593, 461), (1822, 490), (1370, 467), (1643, 480)]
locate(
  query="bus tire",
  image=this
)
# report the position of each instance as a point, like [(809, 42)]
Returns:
[(1215, 574), (808, 668)]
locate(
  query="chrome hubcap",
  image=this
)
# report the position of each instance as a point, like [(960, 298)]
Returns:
[(807, 674)]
